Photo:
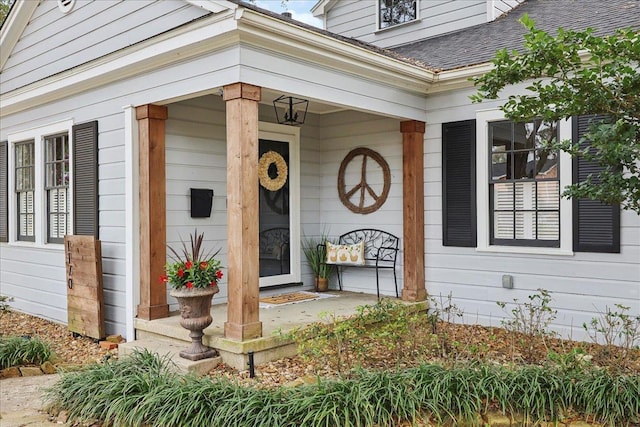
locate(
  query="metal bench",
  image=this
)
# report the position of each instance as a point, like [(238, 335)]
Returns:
[(380, 252)]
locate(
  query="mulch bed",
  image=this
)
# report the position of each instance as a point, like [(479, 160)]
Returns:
[(469, 342), (69, 350)]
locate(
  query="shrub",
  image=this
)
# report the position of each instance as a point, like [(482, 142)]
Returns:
[(615, 327), (4, 304), (530, 319), (347, 343), (15, 351)]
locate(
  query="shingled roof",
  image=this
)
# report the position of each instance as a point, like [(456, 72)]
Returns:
[(478, 44)]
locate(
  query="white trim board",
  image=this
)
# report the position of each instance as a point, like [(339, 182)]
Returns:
[(38, 134), (291, 135), (483, 118)]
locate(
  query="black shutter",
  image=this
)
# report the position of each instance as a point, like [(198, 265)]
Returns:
[(459, 183), (4, 191), (85, 179), (596, 226)]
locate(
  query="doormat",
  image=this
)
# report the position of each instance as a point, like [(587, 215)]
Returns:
[(291, 298), (287, 298)]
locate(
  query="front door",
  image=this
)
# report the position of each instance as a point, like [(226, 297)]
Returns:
[(279, 239)]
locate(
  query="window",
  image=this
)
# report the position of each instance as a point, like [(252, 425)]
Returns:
[(501, 189), (40, 209), (57, 186), (25, 189), (524, 184), (395, 12)]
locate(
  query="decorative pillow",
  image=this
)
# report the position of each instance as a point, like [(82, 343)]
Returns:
[(345, 254)]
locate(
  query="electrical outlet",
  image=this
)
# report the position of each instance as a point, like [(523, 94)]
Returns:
[(507, 281)]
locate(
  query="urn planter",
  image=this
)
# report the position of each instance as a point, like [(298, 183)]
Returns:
[(195, 315)]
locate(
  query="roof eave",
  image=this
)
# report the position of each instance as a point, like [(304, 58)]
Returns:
[(214, 6), (462, 77), (338, 53), (458, 78), (322, 7), (213, 32), (15, 23)]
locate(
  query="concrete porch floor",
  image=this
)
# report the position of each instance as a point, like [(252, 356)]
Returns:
[(167, 336)]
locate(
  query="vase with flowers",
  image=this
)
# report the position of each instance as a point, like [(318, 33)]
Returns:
[(194, 275)]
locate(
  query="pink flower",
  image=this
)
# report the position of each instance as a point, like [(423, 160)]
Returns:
[(203, 265), (188, 265), (189, 285), (219, 274), (213, 283), (164, 279), (180, 272)]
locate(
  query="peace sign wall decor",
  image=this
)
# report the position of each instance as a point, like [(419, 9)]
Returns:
[(362, 189)]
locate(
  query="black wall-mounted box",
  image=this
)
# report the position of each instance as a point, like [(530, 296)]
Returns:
[(201, 201)]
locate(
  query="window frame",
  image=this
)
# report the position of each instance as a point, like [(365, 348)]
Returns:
[(379, 20), (483, 162), (19, 169), (49, 188), (511, 151), (41, 230)]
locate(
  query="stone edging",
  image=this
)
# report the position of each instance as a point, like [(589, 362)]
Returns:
[(28, 371)]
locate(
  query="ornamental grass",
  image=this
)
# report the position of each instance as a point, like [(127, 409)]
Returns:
[(16, 351), (142, 390)]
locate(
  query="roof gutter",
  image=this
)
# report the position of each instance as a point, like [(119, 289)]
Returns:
[(463, 77), (458, 78)]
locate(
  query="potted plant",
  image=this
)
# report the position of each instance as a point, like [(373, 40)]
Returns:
[(315, 252), (194, 275)]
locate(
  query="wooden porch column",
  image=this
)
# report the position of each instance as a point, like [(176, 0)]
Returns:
[(242, 212), (413, 209), (153, 223)]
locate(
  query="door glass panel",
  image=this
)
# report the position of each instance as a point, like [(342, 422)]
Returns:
[(274, 241)]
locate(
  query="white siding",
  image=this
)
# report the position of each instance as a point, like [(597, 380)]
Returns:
[(35, 276), (53, 42), (311, 186), (196, 158), (580, 284), (342, 132), (357, 19)]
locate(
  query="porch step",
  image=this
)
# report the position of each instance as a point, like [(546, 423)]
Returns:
[(172, 350)]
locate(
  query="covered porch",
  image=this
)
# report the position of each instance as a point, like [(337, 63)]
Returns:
[(209, 136), (214, 142)]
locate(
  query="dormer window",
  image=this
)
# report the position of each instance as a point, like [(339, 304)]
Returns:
[(396, 12)]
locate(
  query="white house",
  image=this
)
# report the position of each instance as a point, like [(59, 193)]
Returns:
[(112, 112)]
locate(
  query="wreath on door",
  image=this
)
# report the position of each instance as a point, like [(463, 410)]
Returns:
[(269, 159)]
